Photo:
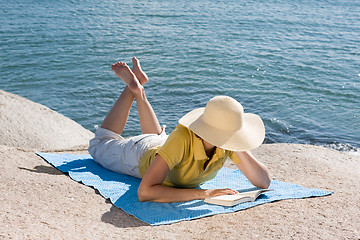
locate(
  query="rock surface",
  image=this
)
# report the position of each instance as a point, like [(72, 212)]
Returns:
[(26, 124)]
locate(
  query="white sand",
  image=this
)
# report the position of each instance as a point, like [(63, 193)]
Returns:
[(40, 202)]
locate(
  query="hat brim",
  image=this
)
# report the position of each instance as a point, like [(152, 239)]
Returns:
[(250, 136)]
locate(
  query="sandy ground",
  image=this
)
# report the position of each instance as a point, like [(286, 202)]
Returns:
[(40, 202)]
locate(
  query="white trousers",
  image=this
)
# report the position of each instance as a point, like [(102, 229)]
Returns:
[(122, 155)]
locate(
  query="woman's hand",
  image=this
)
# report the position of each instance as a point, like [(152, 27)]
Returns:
[(219, 192)]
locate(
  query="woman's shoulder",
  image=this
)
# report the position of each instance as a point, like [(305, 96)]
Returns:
[(181, 134), (180, 129)]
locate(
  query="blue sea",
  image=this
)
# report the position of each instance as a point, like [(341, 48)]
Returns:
[(294, 63)]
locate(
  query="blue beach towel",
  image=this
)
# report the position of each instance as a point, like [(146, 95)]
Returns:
[(122, 190)]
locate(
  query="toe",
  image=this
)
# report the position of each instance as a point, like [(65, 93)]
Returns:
[(135, 60)]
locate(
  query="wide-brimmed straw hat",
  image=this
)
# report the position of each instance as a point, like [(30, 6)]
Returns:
[(224, 124)]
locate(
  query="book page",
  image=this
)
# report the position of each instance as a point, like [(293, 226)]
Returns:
[(230, 200)]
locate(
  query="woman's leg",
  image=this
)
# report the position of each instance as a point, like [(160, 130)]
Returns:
[(148, 120), (119, 113), (147, 117), (116, 119)]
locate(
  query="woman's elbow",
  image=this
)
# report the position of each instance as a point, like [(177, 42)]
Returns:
[(262, 181), (265, 183), (142, 195)]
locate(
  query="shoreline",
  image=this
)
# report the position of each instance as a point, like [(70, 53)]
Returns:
[(38, 201), (349, 149)]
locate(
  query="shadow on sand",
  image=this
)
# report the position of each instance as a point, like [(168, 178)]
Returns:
[(43, 169), (120, 219)]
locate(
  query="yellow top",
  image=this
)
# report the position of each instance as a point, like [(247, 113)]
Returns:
[(185, 155)]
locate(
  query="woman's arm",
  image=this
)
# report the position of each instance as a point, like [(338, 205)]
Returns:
[(255, 171), (151, 188)]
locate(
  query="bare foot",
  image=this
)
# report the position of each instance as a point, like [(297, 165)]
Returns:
[(139, 73), (124, 73)]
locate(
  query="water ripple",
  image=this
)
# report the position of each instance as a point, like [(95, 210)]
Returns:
[(294, 63)]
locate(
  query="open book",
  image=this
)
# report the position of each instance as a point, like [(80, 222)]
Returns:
[(232, 200)]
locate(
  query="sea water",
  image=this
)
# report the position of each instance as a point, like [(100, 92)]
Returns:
[(294, 63)]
